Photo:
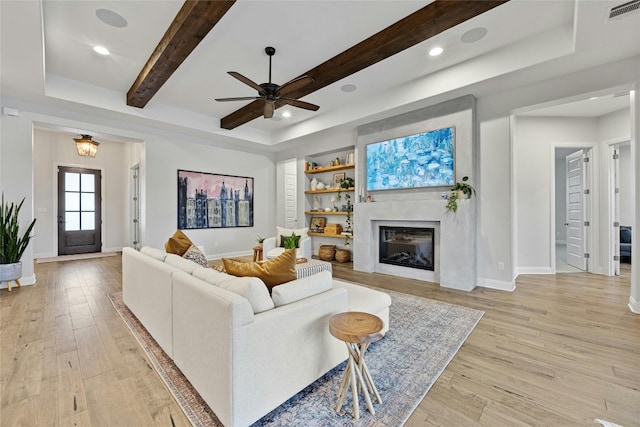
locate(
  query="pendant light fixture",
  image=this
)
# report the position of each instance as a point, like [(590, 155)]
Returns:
[(86, 146)]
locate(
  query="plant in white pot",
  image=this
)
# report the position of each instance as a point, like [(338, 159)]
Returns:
[(13, 243)]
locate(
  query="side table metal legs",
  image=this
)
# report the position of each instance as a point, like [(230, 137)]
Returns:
[(357, 375)]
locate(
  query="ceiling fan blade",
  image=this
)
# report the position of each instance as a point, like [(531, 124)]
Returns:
[(293, 85), (268, 109), (241, 98), (300, 104), (247, 81)]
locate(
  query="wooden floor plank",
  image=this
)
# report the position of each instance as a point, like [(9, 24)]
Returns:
[(559, 350)]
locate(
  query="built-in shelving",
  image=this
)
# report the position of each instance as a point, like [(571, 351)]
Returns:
[(342, 236), (330, 190), (325, 213), (321, 169)]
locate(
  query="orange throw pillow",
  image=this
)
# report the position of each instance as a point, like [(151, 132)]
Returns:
[(178, 243), (275, 271)]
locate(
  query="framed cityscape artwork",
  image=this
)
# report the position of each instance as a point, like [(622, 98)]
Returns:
[(207, 200)]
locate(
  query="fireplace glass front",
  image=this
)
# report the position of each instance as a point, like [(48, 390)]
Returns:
[(407, 247)]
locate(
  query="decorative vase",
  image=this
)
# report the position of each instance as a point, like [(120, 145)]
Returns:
[(343, 255), (320, 185), (9, 272), (314, 184)]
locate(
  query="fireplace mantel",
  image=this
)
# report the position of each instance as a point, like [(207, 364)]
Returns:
[(457, 257)]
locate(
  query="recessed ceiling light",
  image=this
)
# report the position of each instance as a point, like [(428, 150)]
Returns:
[(592, 98), (286, 114), (101, 50), (109, 17), (436, 51), (474, 35), (348, 88)]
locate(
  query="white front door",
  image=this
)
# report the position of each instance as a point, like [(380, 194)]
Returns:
[(290, 195), (615, 207), (575, 211)]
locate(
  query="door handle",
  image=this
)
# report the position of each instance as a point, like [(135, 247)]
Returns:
[(566, 223)]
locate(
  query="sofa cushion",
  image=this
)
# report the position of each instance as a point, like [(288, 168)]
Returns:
[(213, 276), (301, 288), (178, 243), (156, 253), (194, 254), (183, 264), (272, 272), (286, 232)]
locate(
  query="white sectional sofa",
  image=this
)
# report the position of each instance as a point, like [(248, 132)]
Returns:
[(245, 351)]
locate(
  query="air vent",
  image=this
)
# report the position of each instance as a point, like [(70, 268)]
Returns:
[(624, 10)]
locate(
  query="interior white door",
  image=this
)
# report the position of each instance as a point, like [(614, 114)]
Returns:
[(575, 211), (290, 195), (615, 207)]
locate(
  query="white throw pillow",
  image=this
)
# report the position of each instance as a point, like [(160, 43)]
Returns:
[(156, 253), (299, 289), (302, 232)]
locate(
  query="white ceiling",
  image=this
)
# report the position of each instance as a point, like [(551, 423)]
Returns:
[(64, 72)]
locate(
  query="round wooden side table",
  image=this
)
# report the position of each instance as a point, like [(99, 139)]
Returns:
[(357, 330)]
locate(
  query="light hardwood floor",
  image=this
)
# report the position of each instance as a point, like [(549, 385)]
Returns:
[(559, 351)]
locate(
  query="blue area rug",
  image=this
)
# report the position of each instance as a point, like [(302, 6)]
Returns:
[(424, 336)]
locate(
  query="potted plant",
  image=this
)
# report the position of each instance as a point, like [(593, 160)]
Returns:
[(461, 190), (13, 243), (291, 242), (260, 240)]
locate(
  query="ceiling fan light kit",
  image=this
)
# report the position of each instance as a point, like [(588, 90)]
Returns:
[(272, 94)]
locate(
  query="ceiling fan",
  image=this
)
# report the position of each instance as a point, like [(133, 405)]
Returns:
[(271, 93)]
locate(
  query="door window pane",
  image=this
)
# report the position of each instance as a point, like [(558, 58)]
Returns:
[(71, 181), (87, 183), (88, 202), (72, 221), (88, 220), (71, 201)]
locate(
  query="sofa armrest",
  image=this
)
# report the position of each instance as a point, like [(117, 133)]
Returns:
[(306, 248), (268, 244)]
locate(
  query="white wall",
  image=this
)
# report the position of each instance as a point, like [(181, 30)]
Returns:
[(561, 200), (626, 197), (535, 138), (163, 159), (52, 149)]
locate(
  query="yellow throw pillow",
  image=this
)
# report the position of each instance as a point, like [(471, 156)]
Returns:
[(275, 271), (178, 243)]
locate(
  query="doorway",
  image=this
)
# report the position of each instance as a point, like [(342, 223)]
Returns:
[(573, 205), (79, 212)]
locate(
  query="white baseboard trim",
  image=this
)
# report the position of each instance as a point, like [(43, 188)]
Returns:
[(500, 285), (24, 281), (114, 249), (634, 305), (533, 270), (45, 255), (228, 255)]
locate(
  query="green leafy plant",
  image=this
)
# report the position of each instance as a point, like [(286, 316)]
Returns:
[(12, 243), (346, 184), (260, 239), (291, 242), (460, 187)]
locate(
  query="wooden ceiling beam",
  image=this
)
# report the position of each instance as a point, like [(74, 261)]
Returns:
[(190, 26), (421, 25)]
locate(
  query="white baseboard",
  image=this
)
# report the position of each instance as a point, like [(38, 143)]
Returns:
[(533, 270), (634, 305), (114, 249), (24, 281), (500, 285)]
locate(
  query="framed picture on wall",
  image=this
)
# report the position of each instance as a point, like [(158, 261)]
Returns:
[(317, 224), (337, 177), (208, 200)]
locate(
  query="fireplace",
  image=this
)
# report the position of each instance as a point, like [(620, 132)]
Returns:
[(410, 247)]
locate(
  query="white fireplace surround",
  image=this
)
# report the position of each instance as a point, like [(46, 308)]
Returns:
[(455, 263)]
